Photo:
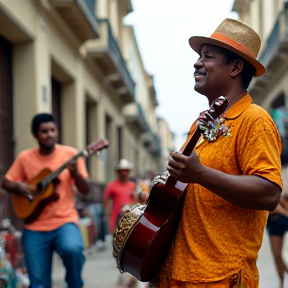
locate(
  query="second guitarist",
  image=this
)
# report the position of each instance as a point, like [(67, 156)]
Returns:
[(56, 228)]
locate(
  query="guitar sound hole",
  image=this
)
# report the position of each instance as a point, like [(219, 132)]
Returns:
[(39, 187)]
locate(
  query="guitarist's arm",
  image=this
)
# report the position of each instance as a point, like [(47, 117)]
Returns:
[(246, 191), (19, 188), (13, 181), (81, 183)]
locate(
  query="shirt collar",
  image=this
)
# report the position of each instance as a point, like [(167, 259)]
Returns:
[(239, 107)]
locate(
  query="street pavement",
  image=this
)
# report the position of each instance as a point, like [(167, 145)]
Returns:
[(100, 268)]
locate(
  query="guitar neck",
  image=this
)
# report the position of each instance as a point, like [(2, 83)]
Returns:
[(217, 108), (192, 143), (48, 179)]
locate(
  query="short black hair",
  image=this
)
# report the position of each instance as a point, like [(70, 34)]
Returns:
[(248, 69), (40, 118)]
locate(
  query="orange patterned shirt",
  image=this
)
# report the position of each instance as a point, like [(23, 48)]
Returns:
[(217, 240)]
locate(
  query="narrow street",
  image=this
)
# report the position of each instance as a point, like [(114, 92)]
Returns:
[(100, 268)]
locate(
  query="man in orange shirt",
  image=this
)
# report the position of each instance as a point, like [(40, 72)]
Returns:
[(234, 172), (56, 228)]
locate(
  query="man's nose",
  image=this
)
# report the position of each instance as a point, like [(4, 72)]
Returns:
[(198, 64), (51, 133)]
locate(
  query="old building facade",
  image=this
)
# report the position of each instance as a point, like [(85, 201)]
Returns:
[(270, 19), (77, 60)]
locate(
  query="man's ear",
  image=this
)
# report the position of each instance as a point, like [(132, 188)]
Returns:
[(237, 67)]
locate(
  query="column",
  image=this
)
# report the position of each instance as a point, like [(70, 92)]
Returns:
[(268, 17), (31, 76)]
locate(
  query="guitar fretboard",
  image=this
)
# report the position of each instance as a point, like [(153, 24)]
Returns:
[(48, 179)]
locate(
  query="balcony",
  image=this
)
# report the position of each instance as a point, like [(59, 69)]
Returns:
[(106, 53), (134, 115), (79, 16), (152, 142), (240, 5), (274, 57), (155, 147)]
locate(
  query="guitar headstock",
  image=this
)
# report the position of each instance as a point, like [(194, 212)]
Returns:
[(216, 109), (97, 146), (210, 123)]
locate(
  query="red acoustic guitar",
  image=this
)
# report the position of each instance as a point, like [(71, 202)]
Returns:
[(43, 183), (145, 240)]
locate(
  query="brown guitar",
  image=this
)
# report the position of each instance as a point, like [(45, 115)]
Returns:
[(43, 184), (143, 236)]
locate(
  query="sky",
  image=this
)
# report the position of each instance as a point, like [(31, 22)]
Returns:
[(162, 29)]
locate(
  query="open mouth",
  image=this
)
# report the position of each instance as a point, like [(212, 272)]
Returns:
[(198, 75)]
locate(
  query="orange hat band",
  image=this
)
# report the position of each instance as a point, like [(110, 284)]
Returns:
[(231, 42)]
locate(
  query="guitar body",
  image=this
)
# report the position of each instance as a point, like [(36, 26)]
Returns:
[(154, 231), (43, 186), (30, 210)]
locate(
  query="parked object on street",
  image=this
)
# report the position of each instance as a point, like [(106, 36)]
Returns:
[(13, 273)]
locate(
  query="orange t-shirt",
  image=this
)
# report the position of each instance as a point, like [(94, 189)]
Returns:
[(29, 163), (216, 239)]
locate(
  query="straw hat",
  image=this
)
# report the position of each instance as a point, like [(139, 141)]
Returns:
[(124, 165), (236, 37)]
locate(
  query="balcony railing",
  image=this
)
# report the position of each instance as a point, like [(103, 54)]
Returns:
[(153, 142), (272, 44), (91, 4), (273, 57), (119, 61), (80, 16), (134, 114), (109, 59)]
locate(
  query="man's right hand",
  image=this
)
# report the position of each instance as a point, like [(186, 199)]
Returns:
[(24, 189)]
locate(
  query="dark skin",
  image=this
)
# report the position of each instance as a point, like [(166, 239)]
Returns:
[(47, 136), (214, 78)]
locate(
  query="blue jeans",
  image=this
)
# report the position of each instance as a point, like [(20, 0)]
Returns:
[(38, 248)]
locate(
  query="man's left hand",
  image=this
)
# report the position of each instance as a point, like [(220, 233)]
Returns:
[(72, 167), (187, 169)]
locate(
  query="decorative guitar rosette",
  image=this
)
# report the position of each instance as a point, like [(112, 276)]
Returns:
[(123, 230)]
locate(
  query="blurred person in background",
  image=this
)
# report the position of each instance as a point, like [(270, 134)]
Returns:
[(277, 226), (143, 187), (120, 191), (122, 194)]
